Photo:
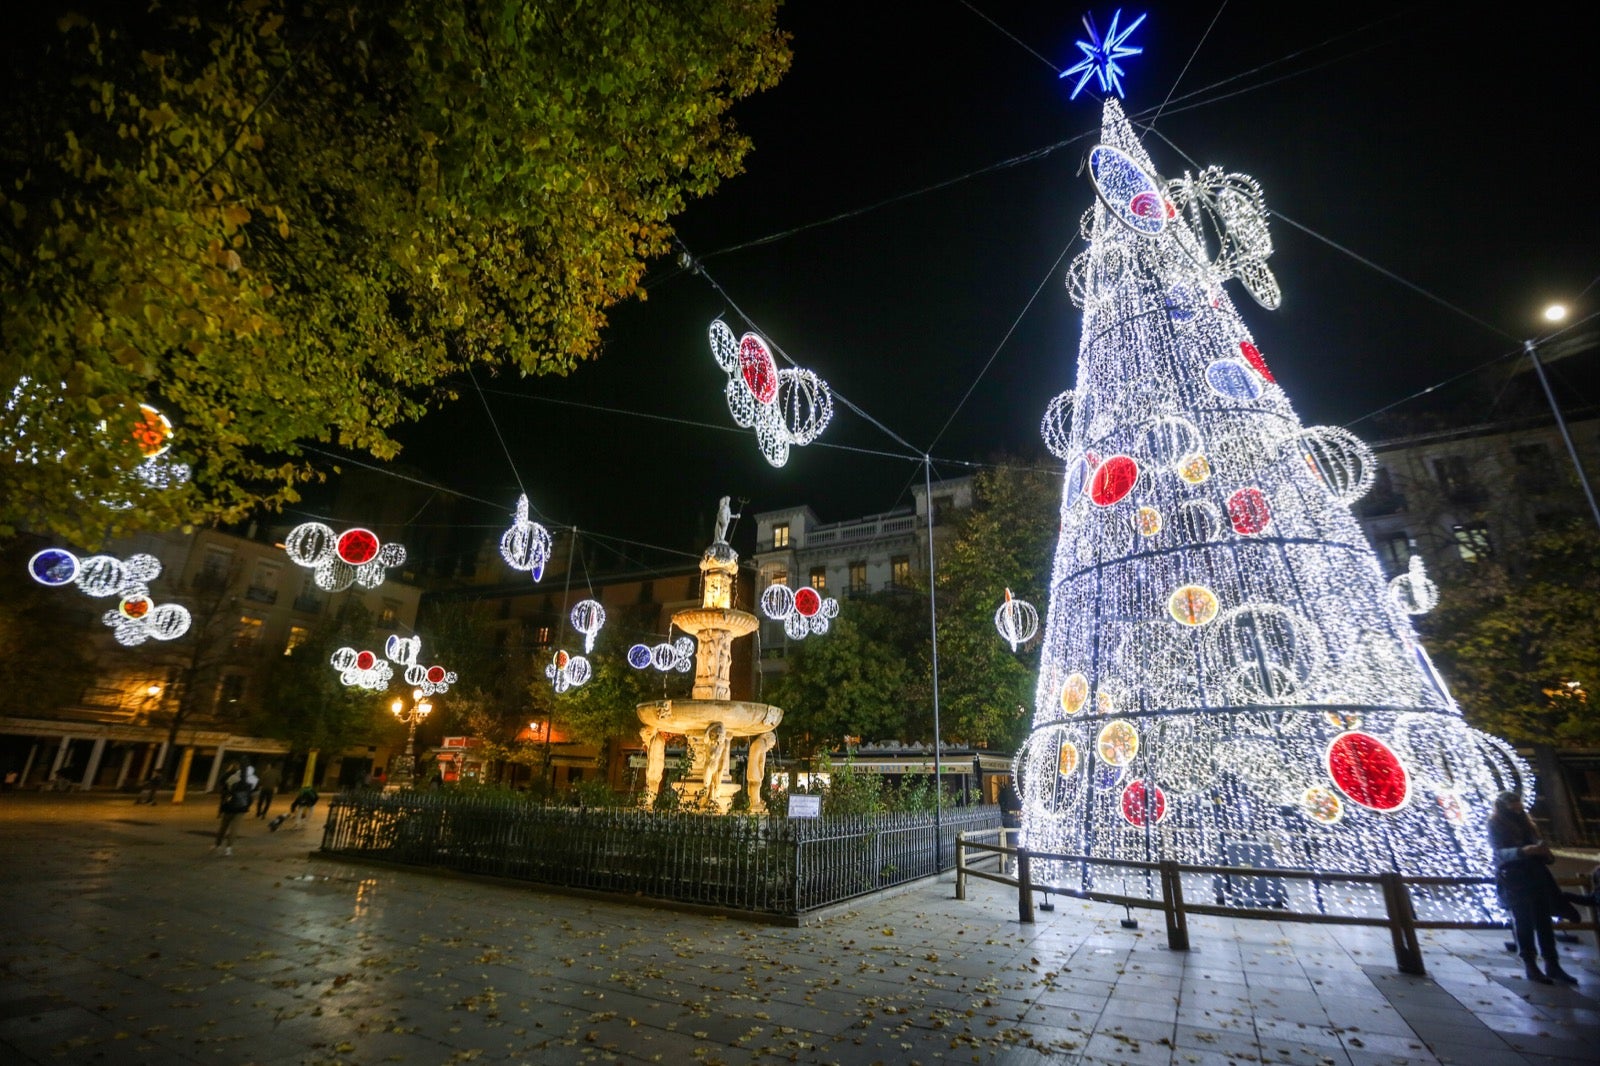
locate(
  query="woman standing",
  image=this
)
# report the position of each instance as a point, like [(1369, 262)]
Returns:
[(1525, 886)]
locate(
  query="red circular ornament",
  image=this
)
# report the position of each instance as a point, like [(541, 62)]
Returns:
[(365, 660), (1146, 205), (435, 674), (807, 602), (562, 658), (134, 606), (1113, 479), (1248, 511), (1143, 803), (1252, 355), (357, 546), (760, 373), (1368, 772)]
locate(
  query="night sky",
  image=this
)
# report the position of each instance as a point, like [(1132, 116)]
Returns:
[(1451, 149)]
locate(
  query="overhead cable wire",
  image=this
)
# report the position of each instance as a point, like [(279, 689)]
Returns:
[(1190, 100), (1357, 256), (1014, 38), (694, 423), (495, 425), (1015, 322), (843, 400), (1189, 62)]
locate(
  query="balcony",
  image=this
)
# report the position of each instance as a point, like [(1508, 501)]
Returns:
[(261, 595), (308, 604)]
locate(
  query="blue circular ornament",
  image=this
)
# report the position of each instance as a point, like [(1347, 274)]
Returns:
[(1233, 379), (1132, 195), (639, 656), (54, 567)]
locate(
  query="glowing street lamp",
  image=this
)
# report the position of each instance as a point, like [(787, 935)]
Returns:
[(1558, 313), (420, 709)]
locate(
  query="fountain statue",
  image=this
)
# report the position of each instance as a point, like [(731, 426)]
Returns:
[(709, 720)]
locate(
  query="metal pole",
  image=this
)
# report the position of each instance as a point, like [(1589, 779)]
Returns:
[(1561, 424), (409, 769), (933, 634)]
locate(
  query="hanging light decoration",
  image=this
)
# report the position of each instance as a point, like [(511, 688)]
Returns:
[(803, 611), (526, 545), (1017, 620), (587, 618), (339, 560), (1413, 591), (789, 407), (138, 617)]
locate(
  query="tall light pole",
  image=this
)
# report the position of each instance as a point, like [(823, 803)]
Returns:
[(1557, 313), (420, 709)]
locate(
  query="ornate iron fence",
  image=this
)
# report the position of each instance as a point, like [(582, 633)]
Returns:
[(763, 864)]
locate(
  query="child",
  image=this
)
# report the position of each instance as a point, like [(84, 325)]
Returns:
[(301, 807)]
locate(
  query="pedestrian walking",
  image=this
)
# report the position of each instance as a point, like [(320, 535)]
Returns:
[(147, 792), (302, 805), (267, 786), (1526, 887), (238, 785)]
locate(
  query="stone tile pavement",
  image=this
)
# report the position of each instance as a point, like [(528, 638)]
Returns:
[(124, 941)]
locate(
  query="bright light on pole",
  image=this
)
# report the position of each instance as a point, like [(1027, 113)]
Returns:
[(1556, 313)]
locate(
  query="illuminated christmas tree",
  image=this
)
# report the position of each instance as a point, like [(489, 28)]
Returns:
[(1227, 676)]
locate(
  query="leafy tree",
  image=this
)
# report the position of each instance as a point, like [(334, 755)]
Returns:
[(859, 680), (303, 700), (1005, 540), (1515, 636), (289, 222)]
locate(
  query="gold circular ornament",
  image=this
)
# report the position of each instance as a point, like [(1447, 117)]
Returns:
[(1322, 805), (1193, 605), (1074, 693), (1118, 743)]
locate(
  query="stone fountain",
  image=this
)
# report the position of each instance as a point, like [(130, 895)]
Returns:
[(709, 721)]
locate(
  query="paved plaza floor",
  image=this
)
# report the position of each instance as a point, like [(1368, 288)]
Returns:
[(123, 941)]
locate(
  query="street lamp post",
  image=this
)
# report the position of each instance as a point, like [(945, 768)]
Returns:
[(420, 709), (1555, 313)]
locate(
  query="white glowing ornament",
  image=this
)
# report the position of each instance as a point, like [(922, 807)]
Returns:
[(138, 617), (526, 545), (677, 655), (1222, 659), (430, 680), (339, 560), (587, 618), (803, 611), (567, 671), (361, 669), (1413, 592), (789, 407), (1017, 620)]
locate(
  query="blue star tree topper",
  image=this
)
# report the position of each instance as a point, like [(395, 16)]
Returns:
[(1100, 55)]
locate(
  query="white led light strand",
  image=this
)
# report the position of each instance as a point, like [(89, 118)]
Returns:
[(526, 545), (339, 560), (1226, 675), (802, 611), (138, 618), (789, 407)]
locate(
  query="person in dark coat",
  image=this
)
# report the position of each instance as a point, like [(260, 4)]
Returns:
[(1526, 887)]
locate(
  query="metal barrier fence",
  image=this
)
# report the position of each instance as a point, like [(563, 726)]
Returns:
[(1399, 916), (762, 864)]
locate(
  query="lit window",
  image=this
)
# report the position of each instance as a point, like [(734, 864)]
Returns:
[(779, 577), (1472, 543), (298, 635), (249, 632), (819, 578), (780, 535), (858, 577), (900, 567)]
